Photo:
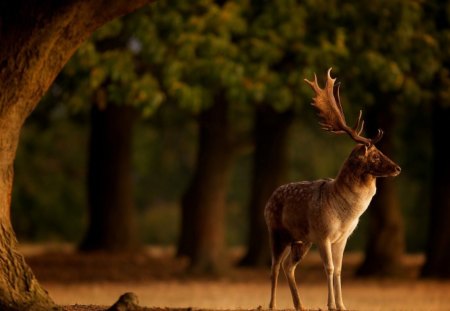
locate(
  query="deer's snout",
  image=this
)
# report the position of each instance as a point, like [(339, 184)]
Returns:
[(397, 169)]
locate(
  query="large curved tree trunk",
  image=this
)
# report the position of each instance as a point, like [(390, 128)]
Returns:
[(385, 245), (37, 38), (202, 235), (112, 221), (19, 289), (269, 172)]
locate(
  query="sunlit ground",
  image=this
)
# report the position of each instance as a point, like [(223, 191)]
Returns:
[(159, 281), (240, 295)]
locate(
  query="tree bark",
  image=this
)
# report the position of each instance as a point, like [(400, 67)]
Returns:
[(37, 38), (202, 236), (112, 221), (270, 161), (438, 246), (19, 289), (385, 245)]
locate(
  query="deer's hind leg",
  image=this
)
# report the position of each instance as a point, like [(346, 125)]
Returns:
[(298, 251), (279, 248)]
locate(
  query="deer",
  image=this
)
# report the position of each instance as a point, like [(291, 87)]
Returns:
[(325, 211)]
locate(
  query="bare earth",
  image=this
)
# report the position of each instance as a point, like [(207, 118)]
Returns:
[(93, 282)]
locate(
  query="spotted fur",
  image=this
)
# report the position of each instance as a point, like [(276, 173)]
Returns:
[(324, 212)]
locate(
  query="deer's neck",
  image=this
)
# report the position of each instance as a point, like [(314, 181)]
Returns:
[(354, 190)]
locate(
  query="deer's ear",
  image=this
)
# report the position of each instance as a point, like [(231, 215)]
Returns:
[(363, 151), (366, 150)]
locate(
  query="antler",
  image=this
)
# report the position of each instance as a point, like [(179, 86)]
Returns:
[(331, 115)]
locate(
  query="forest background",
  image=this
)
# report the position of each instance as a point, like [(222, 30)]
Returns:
[(173, 125)]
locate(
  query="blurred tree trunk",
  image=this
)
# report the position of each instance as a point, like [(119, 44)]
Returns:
[(37, 38), (202, 235), (269, 172), (385, 245), (112, 221), (438, 246)]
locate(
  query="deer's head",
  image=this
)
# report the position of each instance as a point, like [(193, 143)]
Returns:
[(365, 157), (368, 160)]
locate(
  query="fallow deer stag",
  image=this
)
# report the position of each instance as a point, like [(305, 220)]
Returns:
[(325, 211)]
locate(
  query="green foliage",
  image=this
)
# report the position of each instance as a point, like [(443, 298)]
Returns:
[(111, 60), (173, 57), (195, 57), (400, 62), (199, 50)]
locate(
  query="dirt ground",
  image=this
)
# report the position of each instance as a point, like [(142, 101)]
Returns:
[(82, 282)]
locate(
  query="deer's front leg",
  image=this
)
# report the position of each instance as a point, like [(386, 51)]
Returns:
[(327, 259), (338, 253)]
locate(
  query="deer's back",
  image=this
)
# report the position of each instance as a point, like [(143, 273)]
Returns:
[(289, 207)]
